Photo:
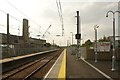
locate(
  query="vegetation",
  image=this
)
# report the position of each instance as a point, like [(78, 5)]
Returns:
[(47, 44), (88, 44), (104, 39)]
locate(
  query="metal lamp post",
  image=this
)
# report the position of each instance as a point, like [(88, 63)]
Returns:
[(95, 28), (113, 56), (69, 41), (83, 39), (72, 37), (72, 42)]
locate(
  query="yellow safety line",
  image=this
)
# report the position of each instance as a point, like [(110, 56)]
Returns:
[(62, 72)]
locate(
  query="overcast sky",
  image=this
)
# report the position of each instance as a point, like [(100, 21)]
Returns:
[(43, 13)]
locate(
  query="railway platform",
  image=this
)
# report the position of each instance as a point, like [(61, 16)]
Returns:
[(74, 69), (67, 67), (58, 70), (23, 56), (78, 69)]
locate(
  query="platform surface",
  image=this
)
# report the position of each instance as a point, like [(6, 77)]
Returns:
[(88, 69), (58, 70), (67, 67), (79, 69), (23, 56)]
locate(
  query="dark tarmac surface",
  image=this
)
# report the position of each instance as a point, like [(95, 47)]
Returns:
[(78, 69), (105, 66)]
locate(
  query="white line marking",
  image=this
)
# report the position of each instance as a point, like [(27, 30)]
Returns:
[(108, 77), (52, 66)]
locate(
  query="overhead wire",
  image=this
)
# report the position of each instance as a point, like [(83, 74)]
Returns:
[(58, 11), (51, 36), (16, 19), (25, 15), (10, 15), (61, 18), (61, 12), (21, 12), (9, 27), (60, 15)]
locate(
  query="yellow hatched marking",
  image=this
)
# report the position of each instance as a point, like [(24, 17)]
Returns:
[(62, 72)]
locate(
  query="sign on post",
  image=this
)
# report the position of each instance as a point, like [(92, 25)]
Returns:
[(103, 46)]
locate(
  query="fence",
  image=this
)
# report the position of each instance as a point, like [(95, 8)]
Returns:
[(17, 51)]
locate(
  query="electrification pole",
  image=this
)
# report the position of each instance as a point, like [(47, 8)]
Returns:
[(72, 42), (78, 36), (53, 42), (72, 37), (7, 33)]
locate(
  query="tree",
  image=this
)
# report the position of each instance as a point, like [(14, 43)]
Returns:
[(104, 39), (47, 44), (88, 44)]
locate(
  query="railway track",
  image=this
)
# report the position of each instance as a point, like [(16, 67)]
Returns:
[(33, 70)]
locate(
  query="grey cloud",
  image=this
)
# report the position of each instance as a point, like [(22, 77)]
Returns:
[(96, 12), (90, 13)]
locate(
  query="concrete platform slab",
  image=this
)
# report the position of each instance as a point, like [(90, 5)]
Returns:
[(23, 56), (79, 69), (58, 70)]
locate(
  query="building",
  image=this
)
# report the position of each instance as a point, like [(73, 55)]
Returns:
[(14, 39), (25, 30), (20, 45)]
